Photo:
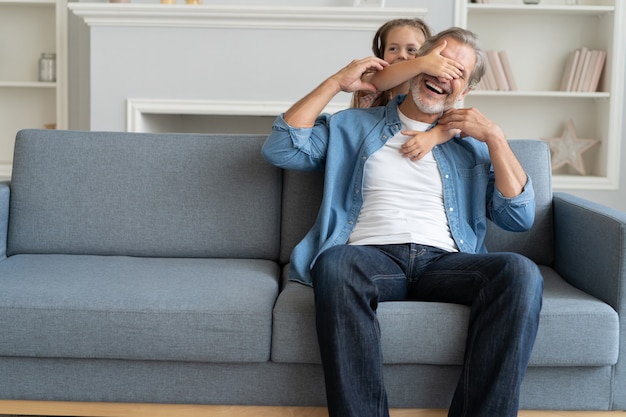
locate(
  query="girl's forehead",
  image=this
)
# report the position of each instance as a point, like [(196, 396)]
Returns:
[(405, 33)]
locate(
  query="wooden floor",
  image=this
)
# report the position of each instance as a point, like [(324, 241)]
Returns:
[(51, 408)]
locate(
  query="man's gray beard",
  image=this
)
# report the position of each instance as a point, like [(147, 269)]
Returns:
[(434, 108)]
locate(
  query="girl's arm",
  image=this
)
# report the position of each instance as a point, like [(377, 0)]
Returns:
[(433, 64)]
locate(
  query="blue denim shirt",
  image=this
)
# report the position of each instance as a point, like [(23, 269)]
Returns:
[(341, 143)]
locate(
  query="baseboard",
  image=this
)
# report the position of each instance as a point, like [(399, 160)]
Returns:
[(89, 409)]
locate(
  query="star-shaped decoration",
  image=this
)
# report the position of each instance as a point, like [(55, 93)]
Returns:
[(569, 149)]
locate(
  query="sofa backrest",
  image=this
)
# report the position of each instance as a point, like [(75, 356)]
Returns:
[(303, 191), (143, 194)]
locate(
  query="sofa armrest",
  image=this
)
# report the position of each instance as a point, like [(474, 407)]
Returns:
[(590, 248), (5, 193)]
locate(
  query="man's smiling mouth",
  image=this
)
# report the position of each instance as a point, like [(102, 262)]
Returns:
[(434, 88)]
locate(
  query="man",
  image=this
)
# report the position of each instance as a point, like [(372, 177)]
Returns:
[(392, 228)]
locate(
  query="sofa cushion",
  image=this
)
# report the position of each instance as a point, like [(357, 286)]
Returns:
[(538, 242), (143, 194), (412, 331), (74, 306)]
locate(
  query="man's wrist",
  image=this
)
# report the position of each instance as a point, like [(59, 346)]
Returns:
[(333, 85)]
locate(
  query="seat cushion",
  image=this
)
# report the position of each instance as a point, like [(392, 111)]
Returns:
[(575, 329), (73, 306)]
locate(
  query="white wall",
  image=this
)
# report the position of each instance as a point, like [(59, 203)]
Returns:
[(110, 64)]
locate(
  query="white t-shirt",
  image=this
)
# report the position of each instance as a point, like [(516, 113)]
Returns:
[(402, 199)]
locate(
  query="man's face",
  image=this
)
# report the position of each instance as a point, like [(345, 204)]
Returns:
[(434, 95)]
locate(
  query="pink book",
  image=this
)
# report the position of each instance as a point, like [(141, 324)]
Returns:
[(568, 72), (597, 72), (578, 69), (584, 73), (498, 71), (508, 72)]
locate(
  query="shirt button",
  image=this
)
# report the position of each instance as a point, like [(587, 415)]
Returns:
[(461, 241), (451, 209), (447, 176)]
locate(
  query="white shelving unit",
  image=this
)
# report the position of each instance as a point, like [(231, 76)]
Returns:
[(538, 40), (28, 28)]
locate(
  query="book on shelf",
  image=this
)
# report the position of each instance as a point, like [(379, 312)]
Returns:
[(570, 68), (597, 71), (583, 70), (508, 70), (578, 70), (488, 82), (498, 72)]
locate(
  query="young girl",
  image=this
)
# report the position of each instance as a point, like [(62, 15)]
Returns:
[(396, 41)]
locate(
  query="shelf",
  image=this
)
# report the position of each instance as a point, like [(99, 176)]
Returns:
[(539, 9), (540, 94), (27, 2), (26, 84)]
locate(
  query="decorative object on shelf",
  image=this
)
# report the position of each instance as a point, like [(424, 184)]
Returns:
[(369, 3), (569, 149), (168, 1), (531, 1), (119, 1), (48, 67), (193, 1)]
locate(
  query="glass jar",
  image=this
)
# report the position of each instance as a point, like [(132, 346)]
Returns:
[(48, 67)]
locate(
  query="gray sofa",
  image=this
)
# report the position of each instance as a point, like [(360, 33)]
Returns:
[(150, 268)]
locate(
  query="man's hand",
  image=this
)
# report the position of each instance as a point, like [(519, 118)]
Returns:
[(349, 78), (471, 122), (510, 176)]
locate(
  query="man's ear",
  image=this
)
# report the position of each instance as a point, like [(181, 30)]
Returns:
[(464, 93)]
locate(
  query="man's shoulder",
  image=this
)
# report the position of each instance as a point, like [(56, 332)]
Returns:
[(358, 116)]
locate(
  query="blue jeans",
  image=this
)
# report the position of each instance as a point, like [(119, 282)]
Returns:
[(504, 291)]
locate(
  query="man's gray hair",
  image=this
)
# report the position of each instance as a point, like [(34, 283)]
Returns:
[(466, 37)]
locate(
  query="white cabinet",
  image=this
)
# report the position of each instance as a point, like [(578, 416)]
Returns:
[(538, 40), (28, 29)]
